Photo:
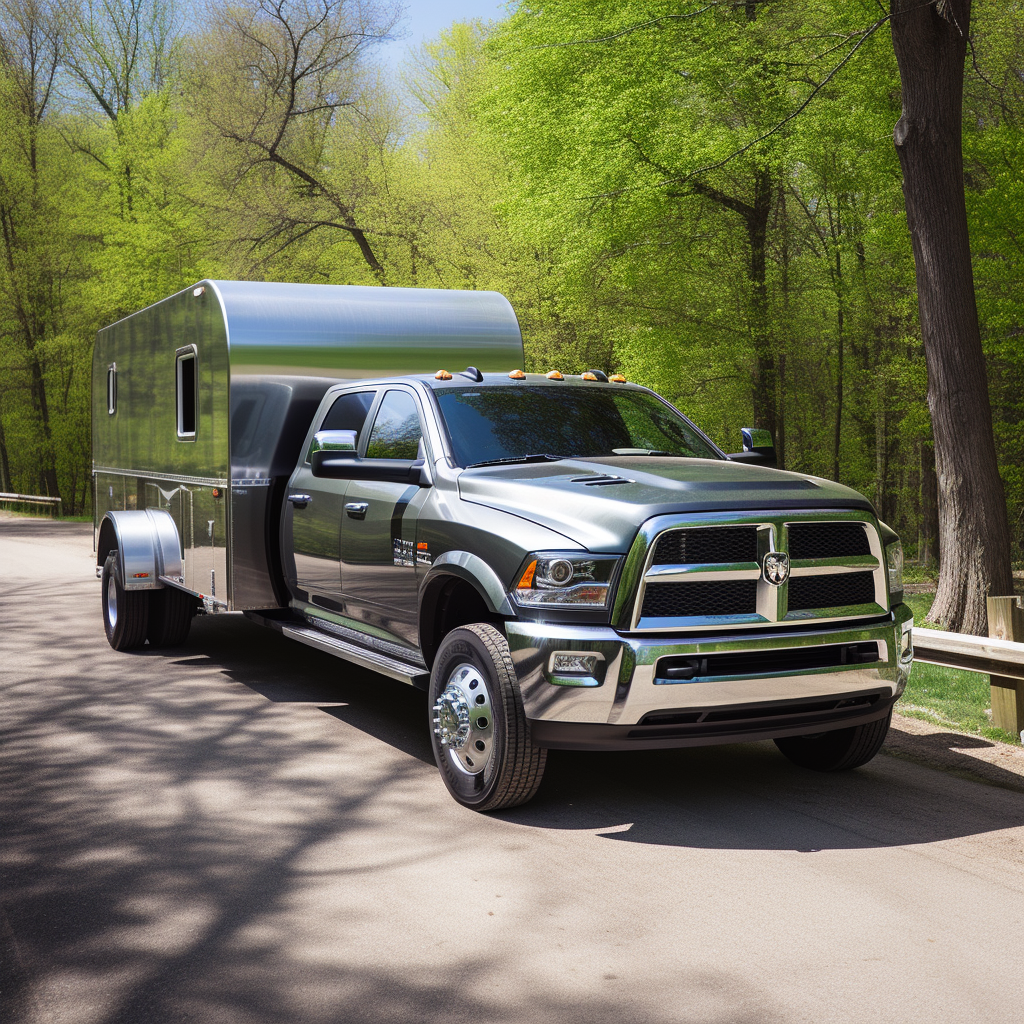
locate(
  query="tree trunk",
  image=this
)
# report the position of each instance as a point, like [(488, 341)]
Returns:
[(765, 384), (930, 42)]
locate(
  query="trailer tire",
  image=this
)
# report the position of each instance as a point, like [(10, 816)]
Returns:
[(170, 617), (839, 750), (125, 613), (479, 731)]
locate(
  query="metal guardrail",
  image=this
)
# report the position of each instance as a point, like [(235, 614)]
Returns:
[(32, 499), (973, 653)]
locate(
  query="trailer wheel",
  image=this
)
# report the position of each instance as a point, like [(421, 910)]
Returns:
[(170, 617), (479, 731), (125, 613), (839, 750)]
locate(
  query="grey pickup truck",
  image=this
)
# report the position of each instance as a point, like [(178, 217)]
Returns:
[(559, 561)]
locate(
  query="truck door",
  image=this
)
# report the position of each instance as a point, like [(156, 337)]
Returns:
[(378, 533), (311, 522)]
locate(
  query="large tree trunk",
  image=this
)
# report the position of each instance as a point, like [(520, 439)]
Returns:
[(974, 539)]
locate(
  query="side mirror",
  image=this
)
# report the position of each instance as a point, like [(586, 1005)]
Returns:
[(758, 447), (335, 465), (332, 441)]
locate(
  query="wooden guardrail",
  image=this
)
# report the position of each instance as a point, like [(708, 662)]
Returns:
[(32, 499), (1000, 656)]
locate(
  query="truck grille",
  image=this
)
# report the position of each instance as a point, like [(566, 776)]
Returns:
[(827, 540), (705, 571), (831, 591), (681, 600), (724, 544)]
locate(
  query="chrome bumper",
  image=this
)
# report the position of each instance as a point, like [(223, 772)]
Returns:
[(624, 688)]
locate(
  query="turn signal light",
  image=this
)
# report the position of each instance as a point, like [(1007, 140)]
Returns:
[(526, 580)]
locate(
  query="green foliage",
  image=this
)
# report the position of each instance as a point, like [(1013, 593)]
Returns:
[(629, 174)]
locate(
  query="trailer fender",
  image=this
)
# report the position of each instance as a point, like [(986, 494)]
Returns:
[(147, 547)]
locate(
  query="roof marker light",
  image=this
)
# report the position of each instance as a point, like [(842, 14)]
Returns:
[(517, 375), (589, 376), (442, 375), (196, 292), (617, 378), (554, 375)]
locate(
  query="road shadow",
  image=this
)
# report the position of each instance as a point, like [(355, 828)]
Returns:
[(740, 796)]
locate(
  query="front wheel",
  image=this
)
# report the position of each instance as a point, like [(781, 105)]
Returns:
[(479, 731), (839, 750)]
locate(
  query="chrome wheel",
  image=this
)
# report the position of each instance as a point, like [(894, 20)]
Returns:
[(463, 721), (112, 602)]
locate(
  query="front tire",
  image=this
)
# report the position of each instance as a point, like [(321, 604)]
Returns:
[(839, 750), (479, 732), (125, 613)]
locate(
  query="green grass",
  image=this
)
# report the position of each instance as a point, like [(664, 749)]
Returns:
[(947, 696)]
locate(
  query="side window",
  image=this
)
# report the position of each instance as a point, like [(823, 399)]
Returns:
[(111, 389), (186, 386), (396, 430), (347, 412)]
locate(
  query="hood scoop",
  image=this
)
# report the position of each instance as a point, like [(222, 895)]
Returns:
[(599, 480)]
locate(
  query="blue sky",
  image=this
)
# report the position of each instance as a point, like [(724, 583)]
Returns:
[(424, 19)]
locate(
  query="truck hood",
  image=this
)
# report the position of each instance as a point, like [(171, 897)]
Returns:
[(601, 502)]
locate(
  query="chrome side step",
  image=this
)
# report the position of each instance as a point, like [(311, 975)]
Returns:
[(361, 656)]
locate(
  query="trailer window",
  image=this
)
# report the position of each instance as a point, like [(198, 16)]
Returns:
[(186, 381), (111, 389)]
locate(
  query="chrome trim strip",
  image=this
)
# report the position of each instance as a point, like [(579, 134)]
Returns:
[(703, 571), (174, 478)]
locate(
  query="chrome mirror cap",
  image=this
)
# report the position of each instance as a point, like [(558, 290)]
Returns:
[(333, 441)]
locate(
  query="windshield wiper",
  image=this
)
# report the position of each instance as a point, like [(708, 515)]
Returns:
[(641, 451), (518, 458)]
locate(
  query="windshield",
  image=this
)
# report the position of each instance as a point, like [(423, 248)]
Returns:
[(491, 424)]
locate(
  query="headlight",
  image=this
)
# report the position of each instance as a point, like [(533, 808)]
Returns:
[(570, 580), (894, 567)]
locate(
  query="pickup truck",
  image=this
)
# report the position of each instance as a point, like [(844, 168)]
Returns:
[(560, 561)]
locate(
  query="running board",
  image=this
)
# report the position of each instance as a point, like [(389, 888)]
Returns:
[(372, 660)]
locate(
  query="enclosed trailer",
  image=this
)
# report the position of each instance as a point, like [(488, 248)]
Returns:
[(201, 403)]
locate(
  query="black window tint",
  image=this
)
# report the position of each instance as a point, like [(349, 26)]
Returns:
[(186, 384), (396, 430), (349, 412)]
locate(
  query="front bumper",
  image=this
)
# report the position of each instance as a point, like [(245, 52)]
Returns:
[(737, 694)]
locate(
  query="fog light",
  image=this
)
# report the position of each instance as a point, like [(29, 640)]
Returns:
[(573, 663)]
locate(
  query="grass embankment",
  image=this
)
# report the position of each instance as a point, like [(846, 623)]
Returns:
[(946, 696)]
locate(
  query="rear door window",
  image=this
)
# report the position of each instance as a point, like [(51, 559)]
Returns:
[(396, 430)]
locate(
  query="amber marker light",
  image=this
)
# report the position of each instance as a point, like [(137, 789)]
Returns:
[(526, 580), (554, 375), (617, 378), (589, 376), (442, 375), (517, 375)]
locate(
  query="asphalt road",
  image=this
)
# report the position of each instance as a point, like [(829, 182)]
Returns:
[(245, 830)]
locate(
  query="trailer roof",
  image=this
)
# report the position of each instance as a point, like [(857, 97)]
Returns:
[(355, 331)]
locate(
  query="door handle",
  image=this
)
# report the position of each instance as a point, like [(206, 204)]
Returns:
[(299, 500), (356, 509)]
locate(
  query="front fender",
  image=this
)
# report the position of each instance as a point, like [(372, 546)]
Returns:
[(473, 569), (147, 547)]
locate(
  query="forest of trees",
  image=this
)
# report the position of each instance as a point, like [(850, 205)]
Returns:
[(704, 195)]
